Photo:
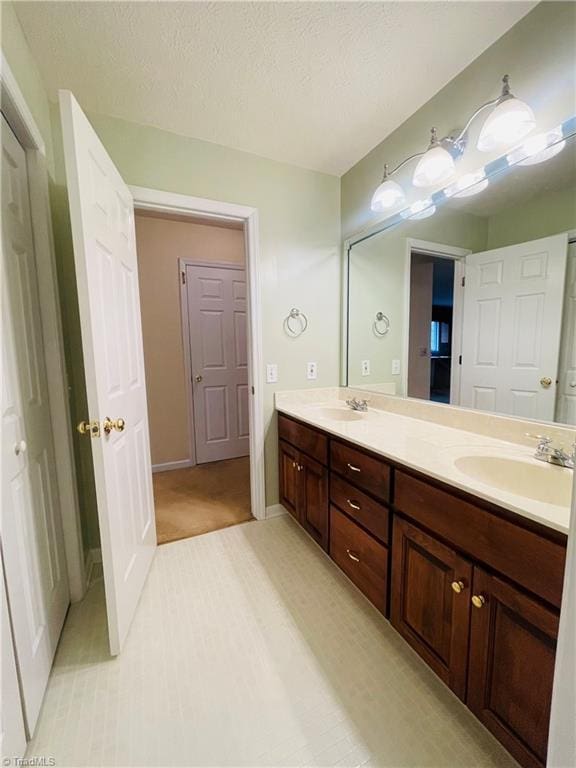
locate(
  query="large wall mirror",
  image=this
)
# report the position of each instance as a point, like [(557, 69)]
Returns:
[(471, 300)]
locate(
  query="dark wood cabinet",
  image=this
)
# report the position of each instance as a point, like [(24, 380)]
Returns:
[(511, 666), (289, 479), (314, 499), (430, 601)]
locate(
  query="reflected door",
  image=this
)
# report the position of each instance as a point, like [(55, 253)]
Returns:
[(219, 361), (566, 405), (511, 333), (421, 288)]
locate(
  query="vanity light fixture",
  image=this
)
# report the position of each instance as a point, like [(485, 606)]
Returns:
[(510, 120), (421, 209), (539, 148), (468, 185)]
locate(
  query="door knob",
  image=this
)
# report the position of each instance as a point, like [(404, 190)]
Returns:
[(546, 382), (198, 378), (572, 384), (478, 601), (20, 447), (91, 428), (458, 586), (109, 424)]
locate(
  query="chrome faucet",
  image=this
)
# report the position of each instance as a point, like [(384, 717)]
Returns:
[(546, 452), (357, 405)]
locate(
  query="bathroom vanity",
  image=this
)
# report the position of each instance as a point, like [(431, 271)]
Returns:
[(473, 585)]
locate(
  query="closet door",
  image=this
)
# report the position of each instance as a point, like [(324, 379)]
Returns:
[(12, 733), (32, 540)]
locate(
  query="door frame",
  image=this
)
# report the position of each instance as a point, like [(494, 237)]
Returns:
[(19, 116), (158, 201), (458, 256), (184, 262)]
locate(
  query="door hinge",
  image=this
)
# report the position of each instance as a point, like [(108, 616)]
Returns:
[(459, 359), (463, 281), (183, 274)]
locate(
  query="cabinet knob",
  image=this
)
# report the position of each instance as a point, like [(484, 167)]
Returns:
[(352, 556), (478, 601), (458, 586)]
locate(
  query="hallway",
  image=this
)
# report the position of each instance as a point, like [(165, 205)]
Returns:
[(201, 499), (251, 648)]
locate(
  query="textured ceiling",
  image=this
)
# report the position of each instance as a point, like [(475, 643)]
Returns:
[(316, 84)]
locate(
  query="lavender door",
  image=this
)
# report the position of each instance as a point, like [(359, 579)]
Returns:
[(219, 357)]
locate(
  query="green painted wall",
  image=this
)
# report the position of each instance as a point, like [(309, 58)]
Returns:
[(539, 55)]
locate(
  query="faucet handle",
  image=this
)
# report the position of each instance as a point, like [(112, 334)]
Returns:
[(543, 440)]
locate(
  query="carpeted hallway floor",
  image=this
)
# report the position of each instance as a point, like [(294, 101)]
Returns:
[(201, 499)]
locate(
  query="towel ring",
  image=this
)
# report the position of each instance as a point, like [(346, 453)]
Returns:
[(381, 324), (295, 315)]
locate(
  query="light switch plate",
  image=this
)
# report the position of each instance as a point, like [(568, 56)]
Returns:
[(365, 367), (271, 373), (395, 367), (311, 370)]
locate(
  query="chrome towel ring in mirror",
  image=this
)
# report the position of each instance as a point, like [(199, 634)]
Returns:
[(296, 323), (381, 324)]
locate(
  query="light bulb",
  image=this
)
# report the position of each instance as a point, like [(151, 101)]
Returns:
[(468, 185), (421, 209), (435, 167), (508, 122), (388, 195)]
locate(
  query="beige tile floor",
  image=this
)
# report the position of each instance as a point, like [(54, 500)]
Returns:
[(250, 648)]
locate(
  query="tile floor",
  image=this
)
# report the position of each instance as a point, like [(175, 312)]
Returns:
[(250, 648)]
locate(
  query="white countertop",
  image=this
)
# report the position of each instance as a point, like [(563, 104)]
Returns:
[(434, 450)]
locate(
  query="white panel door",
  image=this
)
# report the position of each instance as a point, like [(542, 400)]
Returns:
[(219, 361), (102, 216), (511, 334), (566, 401), (31, 527), (12, 731)]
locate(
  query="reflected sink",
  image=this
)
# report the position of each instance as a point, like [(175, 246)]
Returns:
[(530, 479), (340, 414)]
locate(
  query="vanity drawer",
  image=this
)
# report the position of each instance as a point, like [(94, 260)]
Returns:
[(364, 471), (369, 513), (361, 557), (307, 439), (524, 556)]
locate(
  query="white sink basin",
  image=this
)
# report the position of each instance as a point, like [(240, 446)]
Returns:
[(334, 413), (530, 479)]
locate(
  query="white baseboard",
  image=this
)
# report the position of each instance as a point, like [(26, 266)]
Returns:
[(93, 556), (172, 465), (275, 510)]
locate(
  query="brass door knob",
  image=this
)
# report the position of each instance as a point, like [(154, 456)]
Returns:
[(198, 378), (478, 601), (458, 586), (109, 424), (546, 382), (91, 428)]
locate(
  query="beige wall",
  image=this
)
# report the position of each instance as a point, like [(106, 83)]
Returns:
[(161, 242)]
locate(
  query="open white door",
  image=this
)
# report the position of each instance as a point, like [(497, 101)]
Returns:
[(419, 362), (511, 335), (102, 216)]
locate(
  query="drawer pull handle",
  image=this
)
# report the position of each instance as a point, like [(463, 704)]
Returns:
[(352, 504), (353, 468), (352, 556), (458, 586), (478, 601)]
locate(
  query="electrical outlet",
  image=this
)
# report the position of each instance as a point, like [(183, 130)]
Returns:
[(311, 370), (395, 367), (365, 367), (271, 373)]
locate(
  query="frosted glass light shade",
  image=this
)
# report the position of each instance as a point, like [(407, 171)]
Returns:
[(542, 147), (508, 122), (388, 195), (468, 185), (434, 167), (421, 209)]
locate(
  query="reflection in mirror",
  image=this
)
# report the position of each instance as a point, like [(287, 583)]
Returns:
[(476, 297)]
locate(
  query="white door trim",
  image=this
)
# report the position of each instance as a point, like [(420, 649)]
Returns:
[(18, 114), (182, 264), (444, 252), (170, 202)]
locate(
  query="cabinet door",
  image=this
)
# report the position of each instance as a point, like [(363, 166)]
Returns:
[(512, 651), (313, 505), (289, 478), (431, 601)]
